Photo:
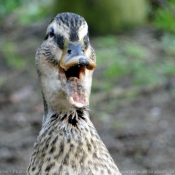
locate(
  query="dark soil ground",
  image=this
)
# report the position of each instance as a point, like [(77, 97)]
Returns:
[(140, 134)]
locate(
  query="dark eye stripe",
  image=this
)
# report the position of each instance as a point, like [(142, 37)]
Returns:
[(46, 37), (59, 40)]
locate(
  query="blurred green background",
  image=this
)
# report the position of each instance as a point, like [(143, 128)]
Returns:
[(133, 94), (106, 20)]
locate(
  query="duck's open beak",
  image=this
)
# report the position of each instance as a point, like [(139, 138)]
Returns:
[(74, 54), (73, 66)]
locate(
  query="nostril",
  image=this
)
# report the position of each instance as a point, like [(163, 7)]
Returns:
[(69, 51)]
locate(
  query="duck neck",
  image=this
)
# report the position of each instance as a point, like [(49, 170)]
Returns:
[(71, 116)]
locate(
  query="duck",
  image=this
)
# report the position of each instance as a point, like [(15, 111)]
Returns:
[(68, 143)]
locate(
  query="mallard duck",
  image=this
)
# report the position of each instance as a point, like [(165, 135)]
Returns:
[(68, 143)]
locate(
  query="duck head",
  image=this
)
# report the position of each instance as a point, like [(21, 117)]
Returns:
[(65, 63)]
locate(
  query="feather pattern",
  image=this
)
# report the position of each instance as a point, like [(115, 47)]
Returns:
[(64, 147)]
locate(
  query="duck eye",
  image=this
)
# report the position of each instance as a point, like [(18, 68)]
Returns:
[(69, 51), (51, 33)]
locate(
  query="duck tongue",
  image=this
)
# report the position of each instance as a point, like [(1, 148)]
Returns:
[(77, 93)]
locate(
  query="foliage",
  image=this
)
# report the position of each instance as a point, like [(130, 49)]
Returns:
[(7, 7), (165, 17), (26, 12), (121, 60), (34, 13), (12, 57), (168, 43)]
